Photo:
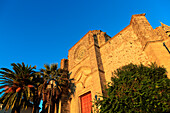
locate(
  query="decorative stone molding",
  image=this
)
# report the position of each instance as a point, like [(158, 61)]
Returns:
[(80, 53)]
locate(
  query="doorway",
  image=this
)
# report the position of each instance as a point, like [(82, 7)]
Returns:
[(86, 103)]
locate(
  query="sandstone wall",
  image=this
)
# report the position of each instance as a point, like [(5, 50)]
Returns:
[(122, 49), (158, 53), (86, 67), (152, 40), (79, 67)]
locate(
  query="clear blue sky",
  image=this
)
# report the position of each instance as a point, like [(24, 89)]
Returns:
[(40, 32)]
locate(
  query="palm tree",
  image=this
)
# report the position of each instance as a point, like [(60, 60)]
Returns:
[(36, 94), (56, 82), (50, 75), (16, 86)]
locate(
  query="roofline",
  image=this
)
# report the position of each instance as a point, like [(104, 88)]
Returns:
[(80, 40), (143, 14), (83, 37), (117, 34)]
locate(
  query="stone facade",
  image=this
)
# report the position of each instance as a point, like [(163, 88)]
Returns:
[(93, 59)]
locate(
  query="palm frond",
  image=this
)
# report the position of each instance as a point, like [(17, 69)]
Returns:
[(7, 70), (18, 83)]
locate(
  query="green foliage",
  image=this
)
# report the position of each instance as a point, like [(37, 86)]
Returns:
[(137, 89), (23, 85), (59, 77), (59, 82)]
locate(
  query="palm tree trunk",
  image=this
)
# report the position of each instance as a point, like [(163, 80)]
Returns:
[(15, 110), (36, 101), (34, 109), (45, 101), (53, 105), (51, 93), (44, 106)]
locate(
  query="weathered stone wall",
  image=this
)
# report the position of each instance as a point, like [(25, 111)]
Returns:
[(152, 40), (79, 66), (159, 54), (86, 66), (143, 29), (122, 49)]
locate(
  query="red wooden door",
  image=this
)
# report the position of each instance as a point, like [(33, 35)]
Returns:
[(86, 104)]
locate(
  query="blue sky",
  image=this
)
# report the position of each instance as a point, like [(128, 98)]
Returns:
[(39, 32)]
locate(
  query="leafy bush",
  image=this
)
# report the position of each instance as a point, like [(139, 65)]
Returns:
[(137, 89)]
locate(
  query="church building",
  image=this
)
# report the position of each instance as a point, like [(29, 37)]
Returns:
[(94, 58)]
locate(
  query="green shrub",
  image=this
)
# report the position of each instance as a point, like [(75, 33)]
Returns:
[(137, 89)]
